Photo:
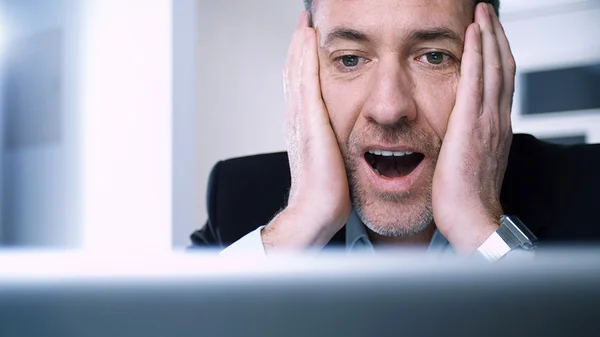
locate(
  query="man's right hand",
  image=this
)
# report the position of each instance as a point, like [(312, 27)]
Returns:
[(319, 202)]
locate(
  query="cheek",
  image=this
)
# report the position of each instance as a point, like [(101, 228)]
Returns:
[(343, 100), (436, 97)]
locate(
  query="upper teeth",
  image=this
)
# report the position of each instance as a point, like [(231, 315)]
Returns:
[(389, 153)]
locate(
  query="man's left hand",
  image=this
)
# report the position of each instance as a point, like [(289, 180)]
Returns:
[(473, 158)]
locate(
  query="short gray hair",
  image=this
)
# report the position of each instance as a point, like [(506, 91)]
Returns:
[(308, 5)]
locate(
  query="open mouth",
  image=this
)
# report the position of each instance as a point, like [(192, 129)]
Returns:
[(393, 164)]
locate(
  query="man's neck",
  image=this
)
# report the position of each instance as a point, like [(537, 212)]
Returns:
[(421, 239)]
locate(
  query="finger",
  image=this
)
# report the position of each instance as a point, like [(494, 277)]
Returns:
[(310, 86), (492, 65), (469, 95), (290, 73), (297, 37), (508, 65), (294, 54)]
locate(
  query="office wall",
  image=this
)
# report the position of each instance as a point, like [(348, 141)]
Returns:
[(126, 124), (185, 120), (243, 44), (1, 146)]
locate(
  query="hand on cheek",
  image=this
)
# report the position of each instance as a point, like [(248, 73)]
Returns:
[(319, 201), (474, 154)]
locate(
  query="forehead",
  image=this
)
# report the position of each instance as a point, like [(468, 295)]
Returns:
[(393, 15)]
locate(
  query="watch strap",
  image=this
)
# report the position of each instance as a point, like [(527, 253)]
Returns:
[(511, 234)]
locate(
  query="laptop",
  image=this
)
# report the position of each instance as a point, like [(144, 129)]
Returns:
[(394, 293)]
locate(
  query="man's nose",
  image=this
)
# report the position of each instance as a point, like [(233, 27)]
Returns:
[(391, 97)]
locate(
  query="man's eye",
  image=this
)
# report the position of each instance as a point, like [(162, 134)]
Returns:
[(349, 60), (435, 58)]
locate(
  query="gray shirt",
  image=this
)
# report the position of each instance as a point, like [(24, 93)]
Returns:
[(358, 240)]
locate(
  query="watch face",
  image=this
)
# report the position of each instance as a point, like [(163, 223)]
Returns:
[(518, 231)]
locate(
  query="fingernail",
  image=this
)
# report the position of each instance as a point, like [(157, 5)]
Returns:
[(486, 8)]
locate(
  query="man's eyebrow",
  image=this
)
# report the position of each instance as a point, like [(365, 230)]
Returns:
[(433, 34), (344, 33)]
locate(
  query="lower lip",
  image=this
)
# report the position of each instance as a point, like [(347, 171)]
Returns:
[(393, 185)]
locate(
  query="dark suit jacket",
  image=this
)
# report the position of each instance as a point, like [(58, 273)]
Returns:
[(553, 189)]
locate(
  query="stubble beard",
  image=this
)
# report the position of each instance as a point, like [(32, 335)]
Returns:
[(399, 214)]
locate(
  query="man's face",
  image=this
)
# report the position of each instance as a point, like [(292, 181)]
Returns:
[(389, 72)]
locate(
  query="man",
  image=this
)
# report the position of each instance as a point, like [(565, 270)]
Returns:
[(398, 126)]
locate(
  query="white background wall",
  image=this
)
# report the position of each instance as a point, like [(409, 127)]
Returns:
[(243, 45), (126, 124), (186, 153), (2, 29)]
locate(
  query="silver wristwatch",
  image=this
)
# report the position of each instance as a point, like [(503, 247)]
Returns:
[(512, 234)]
